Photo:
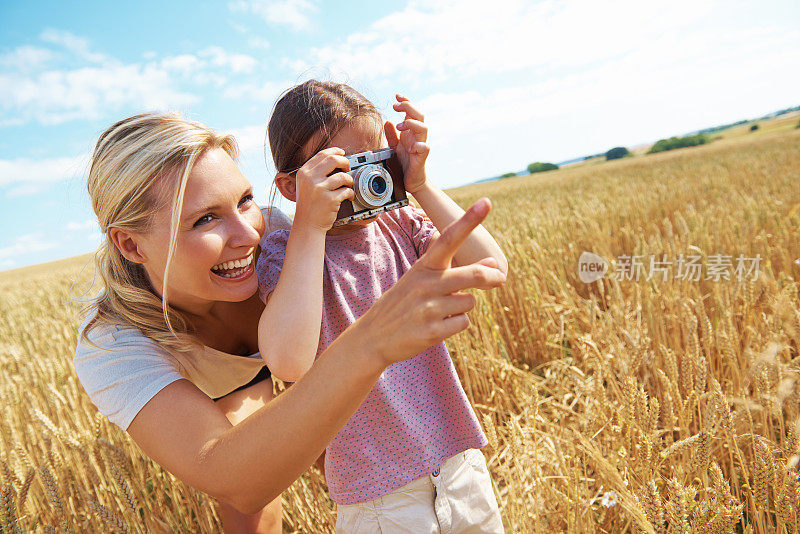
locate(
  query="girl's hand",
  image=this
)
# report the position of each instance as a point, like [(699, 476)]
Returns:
[(320, 190), (425, 306), (410, 146)]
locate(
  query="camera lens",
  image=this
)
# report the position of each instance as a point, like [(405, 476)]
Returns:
[(372, 185), (377, 185)]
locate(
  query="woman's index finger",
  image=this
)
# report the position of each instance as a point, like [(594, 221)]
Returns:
[(441, 251)]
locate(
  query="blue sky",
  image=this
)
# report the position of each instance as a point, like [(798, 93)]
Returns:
[(502, 84)]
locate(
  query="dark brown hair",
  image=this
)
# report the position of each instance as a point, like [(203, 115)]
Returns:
[(310, 108)]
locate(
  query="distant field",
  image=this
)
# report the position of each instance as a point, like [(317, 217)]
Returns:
[(615, 406), (66, 266), (783, 123)]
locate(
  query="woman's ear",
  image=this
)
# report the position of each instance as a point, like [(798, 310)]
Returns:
[(286, 184), (127, 245)]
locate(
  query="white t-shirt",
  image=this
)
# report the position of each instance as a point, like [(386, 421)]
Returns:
[(130, 368)]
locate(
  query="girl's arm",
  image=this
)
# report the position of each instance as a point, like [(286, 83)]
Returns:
[(412, 151), (289, 327), (250, 464), (288, 331)]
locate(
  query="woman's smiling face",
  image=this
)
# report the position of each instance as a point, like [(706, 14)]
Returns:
[(219, 223)]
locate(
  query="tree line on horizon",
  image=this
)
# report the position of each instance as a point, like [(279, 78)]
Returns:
[(662, 145)]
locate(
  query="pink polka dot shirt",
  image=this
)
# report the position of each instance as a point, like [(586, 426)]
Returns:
[(417, 415)]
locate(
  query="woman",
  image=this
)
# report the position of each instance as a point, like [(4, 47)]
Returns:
[(168, 350)]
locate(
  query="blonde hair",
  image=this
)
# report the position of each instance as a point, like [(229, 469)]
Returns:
[(136, 164)]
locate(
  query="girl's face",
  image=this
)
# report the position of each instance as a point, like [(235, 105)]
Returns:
[(219, 223), (359, 135)]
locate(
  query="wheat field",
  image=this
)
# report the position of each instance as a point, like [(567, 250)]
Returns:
[(661, 405)]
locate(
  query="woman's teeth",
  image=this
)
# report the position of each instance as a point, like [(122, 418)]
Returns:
[(233, 274), (232, 268)]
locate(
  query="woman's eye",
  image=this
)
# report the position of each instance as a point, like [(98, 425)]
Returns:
[(209, 217), (203, 220)]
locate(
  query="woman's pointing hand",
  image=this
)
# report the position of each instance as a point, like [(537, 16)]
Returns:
[(426, 305)]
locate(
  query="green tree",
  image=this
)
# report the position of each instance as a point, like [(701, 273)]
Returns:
[(541, 167), (617, 152), (678, 142), (508, 175), (754, 127)]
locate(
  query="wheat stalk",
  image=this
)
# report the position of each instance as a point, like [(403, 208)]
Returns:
[(8, 509), (23, 490), (108, 517), (51, 486), (124, 488)]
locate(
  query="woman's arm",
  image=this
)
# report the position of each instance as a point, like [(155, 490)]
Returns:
[(237, 406), (250, 464)]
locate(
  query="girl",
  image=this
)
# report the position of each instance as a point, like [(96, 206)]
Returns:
[(407, 459)]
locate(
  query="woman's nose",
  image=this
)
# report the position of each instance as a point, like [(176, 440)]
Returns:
[(242, 232)]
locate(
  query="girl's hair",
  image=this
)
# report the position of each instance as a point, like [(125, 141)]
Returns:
[(139, 165), (308, 109)]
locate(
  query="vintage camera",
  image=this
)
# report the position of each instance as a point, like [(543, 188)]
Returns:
[(378, 184)]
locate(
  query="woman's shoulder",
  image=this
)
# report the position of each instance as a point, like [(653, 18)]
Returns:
[(276, 233), (111, 337), (120, 368), (275, 219)]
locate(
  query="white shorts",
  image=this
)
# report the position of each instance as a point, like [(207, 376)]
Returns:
[(456, 498)]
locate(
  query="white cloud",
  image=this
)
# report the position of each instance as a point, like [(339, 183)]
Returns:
[(250, 138), (77, 45), (89, 224), (453, 39), (25, 58), (26, 176), (24, 189), (554, 79), (182, 63), (236, 63), (56, 96), (295, 14), (640, 80), (77, 230), (24, 245), (638, 97), (11, 122), (253, 40), (259, 43), (261, 93), (103, 85), (40, 172)]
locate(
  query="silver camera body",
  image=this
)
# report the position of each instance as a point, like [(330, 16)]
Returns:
[(378, 185)]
